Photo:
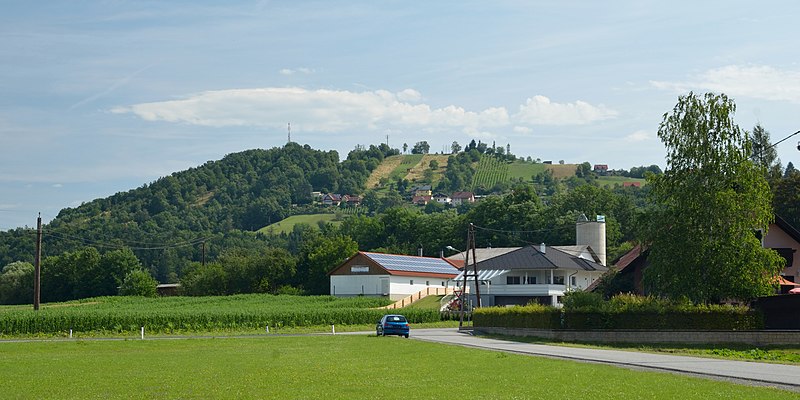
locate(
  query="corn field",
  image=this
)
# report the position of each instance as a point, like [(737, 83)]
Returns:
[(189, 314)]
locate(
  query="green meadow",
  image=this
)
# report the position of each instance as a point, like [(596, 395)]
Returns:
[(329, 367)]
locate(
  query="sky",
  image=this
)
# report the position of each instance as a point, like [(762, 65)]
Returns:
[(98, 97)]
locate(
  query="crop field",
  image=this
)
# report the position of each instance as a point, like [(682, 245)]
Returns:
[(490, 170), (286, 225), (171, 315), (326, 367)]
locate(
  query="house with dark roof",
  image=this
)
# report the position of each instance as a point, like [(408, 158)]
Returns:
[(521, 275), (331, 199), (390, 275), (423, 190)]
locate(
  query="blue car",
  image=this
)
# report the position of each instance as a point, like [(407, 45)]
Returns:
[(393, 325)]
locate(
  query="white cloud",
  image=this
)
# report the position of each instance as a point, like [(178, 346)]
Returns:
[(292, 71), (522, 129), (539, 110), (759, 81), (638, 136), (340, 110), (57, 185)]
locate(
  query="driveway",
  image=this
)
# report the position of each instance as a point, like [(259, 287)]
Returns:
[(752, 373)]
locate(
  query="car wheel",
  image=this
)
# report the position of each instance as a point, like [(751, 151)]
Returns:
[(406, 335), (377, 332)]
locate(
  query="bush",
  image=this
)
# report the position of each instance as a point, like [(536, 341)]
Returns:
[(580, 300), (530, 316), (138, 283), (587, 311)]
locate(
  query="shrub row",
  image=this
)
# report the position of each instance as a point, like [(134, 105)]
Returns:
[(550, 318)]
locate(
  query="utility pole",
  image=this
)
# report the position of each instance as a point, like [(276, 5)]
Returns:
[(37, 261), (289, 128), (204, 253), (467, 274)]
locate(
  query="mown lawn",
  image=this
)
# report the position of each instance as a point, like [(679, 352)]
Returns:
[(326, 367)]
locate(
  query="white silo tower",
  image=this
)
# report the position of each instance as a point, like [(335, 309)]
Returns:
[(592, 233)]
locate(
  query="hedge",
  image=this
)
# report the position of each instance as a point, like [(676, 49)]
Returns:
[(551, 318)]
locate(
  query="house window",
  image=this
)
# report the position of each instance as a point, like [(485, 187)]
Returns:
[(512, 280), (558, 280), (573, 281), (442, 283), (530, 280), (411, 282)]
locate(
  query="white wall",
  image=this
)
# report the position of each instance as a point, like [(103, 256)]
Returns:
[(498, 284), (354, 285), (399, 286)]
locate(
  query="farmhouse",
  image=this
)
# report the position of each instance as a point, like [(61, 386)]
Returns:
[(462, 197), (391, 275)]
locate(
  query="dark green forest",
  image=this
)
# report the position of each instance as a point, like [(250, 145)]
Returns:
[(198, 226)]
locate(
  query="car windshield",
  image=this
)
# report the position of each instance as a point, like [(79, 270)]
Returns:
[(396, 318)]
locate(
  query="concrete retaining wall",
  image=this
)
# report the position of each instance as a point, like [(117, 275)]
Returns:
[(756, 338)]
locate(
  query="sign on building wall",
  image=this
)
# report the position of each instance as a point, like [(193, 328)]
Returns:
[(358, 269)]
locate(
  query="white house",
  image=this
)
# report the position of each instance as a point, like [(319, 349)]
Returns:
[(520, 275), (391, 275)]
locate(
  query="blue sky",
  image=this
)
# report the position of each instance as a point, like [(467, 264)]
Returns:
[(98, 97)]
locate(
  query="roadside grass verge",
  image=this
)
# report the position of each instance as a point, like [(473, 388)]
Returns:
[(330, 367), (733, 351)]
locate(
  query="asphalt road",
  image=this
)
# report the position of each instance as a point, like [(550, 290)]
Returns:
[(751, 373)]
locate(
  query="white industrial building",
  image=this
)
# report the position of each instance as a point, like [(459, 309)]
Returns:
[(390, 275)]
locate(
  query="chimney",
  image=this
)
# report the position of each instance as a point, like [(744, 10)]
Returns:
[(542, 248)]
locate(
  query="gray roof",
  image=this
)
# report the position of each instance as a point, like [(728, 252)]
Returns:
[(529, 257), (399, 262), (483, 254)]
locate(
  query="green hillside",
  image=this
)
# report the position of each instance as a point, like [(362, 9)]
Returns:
[(287, 225), (216, 203)]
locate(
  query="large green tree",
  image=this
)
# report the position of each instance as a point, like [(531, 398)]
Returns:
[(16, 283), (707, 205), (763, 153)]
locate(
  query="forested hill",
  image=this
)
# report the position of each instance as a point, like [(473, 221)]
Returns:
[(242, 191)]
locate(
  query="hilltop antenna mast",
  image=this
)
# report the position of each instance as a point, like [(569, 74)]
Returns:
[(289, 128)]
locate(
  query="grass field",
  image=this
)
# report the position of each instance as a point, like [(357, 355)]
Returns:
[(286, 225), (618, 180), (402, 169), (524, 170), (326, 367)]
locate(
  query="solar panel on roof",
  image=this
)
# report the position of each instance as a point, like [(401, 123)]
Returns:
[(412, 264)]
